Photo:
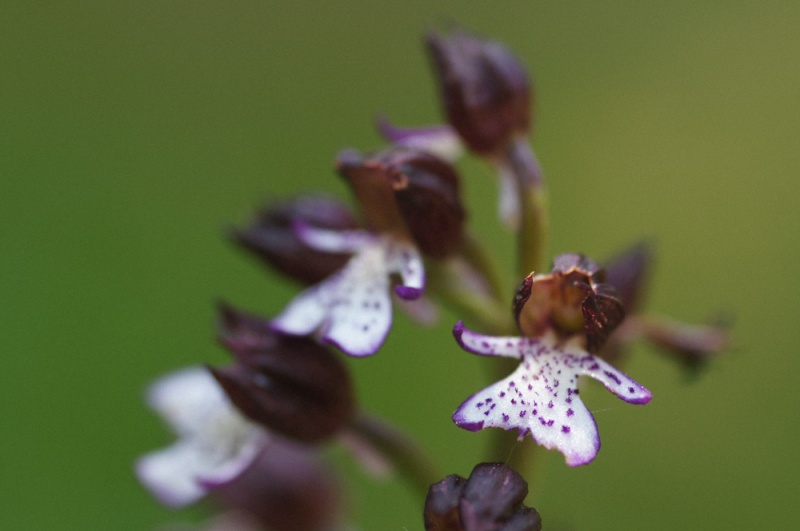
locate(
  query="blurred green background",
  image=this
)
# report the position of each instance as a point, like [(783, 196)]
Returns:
[(133, 133)]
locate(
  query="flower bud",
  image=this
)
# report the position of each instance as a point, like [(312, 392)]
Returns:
[(408, 191), (573, 299), (288, 488), (491, 499), (272, 238), (291, 385), (484, 89)]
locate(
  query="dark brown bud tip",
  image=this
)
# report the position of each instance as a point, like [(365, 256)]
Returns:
[(491, 499), (408, 191), (573, 299), (291, 385), (484, 89), (272, 239)]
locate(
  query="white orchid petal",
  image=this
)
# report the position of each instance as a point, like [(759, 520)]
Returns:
[(541, 396), (352, 308), (332, 241), (184, 398), (404, 259), (216, 442)]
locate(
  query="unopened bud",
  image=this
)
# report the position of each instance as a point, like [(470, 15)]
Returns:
[(291, 385), (490, 499), (484, 90)]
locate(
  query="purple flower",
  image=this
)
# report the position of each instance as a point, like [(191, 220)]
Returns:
[(411, 206), (566, 316)]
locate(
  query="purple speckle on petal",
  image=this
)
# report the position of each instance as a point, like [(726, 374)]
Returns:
[(612, 376), (550, 404), (631, 390), (550, 422), (570, 412), (522, 413), (565, 429)]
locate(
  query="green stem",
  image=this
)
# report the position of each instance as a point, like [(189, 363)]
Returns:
[(482, 259), (521, 161), (398, 449), (477, 299)]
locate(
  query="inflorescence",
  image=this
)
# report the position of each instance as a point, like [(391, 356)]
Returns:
[(250, 433)]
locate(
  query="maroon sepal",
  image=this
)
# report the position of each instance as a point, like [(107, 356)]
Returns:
[(271, 236), (291, 385), (288, 488), (484, 89), (408, 190)]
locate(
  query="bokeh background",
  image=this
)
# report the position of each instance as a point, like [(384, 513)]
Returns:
[(133, 134)]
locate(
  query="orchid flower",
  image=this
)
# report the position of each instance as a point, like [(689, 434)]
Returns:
[(215, 443), (564, 317), (410, 202)]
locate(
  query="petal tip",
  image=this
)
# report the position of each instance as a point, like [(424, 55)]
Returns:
[(643, 397), (408, 293), (458, 331), (468, 425)]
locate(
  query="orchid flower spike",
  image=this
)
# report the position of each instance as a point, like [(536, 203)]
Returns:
[(411, 206), (564, 317)]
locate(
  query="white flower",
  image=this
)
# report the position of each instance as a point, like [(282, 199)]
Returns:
[(215, 443), (541, 397), (352, 309)]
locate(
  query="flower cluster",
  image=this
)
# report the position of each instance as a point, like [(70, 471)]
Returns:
[(250, 433)]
